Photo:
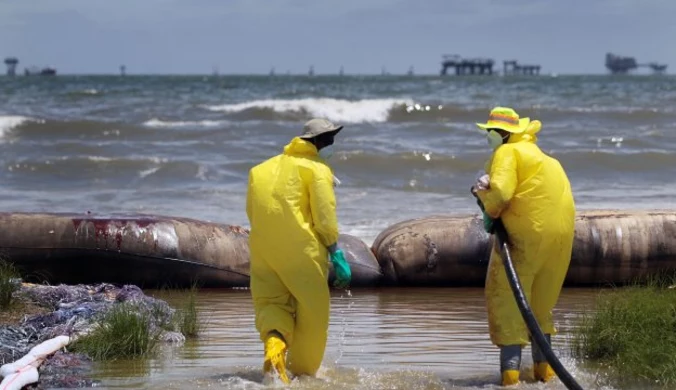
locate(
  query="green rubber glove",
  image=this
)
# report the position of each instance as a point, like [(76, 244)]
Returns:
[(488, 221), (342, 269)]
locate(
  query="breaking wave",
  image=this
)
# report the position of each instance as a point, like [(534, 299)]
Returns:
[(8, 122), (338, 110)]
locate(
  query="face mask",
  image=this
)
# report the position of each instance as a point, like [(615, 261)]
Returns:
[(494, 139), (326, 152)]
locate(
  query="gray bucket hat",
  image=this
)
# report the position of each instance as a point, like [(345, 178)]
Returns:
[(318, 126)]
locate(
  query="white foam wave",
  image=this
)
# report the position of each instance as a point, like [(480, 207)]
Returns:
[(88, 91), (160, 124), (338, 110), (148, 172), (157, 160), (99, 159), (9, 122)]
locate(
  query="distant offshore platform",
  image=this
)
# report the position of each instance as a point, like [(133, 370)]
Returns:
[(622, 65), (484, 66), (12, 62)]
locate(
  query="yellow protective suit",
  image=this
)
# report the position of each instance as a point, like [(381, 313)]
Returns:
[(291, 208), (531, 193)]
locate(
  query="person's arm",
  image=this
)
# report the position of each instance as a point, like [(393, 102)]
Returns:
[(249, 194), (503, 181), (323, 206)]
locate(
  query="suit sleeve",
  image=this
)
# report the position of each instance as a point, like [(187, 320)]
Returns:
[(323, 205), (503, 181), (249, 194)]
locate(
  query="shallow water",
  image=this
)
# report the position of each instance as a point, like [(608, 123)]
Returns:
[(423, 338)]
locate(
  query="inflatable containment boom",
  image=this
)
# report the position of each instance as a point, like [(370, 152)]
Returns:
[(610, 247)]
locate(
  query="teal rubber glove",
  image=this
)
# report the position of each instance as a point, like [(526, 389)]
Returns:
[(341, 268), (488, 221)]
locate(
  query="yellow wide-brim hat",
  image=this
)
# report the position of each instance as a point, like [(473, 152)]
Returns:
[(505, 118)]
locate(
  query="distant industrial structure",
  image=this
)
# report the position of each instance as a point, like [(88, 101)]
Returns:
[(11, 63), (512, 67), (34, 70), (465, 66), (622, 65), (484, 66), (658, 68)]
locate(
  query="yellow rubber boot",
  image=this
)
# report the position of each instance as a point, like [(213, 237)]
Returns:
[(510, 363), (510, 377), (275, 357), (543, 372)]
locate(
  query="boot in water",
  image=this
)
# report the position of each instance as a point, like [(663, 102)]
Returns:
[(543, 372), (510, 364), (275, 356)]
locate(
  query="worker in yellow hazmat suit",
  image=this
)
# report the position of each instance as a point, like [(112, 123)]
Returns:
[(530, 192), (291, 208)]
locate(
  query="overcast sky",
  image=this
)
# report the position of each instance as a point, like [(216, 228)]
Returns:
[(251, 36)]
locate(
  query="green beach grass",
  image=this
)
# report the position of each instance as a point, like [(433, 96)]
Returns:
[(8, 286), (633, 331), (189, 320), (123, 332), (13, 307)]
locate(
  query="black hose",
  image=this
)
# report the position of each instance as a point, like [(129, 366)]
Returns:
[(527, 313)]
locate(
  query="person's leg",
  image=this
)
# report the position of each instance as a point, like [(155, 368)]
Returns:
[(510, 364), (546, 291), (275, 355), (274, 309), (310, 289), (542, 371), (506, 326)]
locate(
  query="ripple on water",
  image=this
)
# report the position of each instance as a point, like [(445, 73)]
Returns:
[(424, 338)]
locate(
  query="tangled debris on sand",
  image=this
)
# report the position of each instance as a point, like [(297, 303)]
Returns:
[(73, 311)]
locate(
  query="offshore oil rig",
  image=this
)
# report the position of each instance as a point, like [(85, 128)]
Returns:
[(512, 67), (12, 62), (484, 66), (622, 65), (465, 66)]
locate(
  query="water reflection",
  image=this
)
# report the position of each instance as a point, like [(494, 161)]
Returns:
[(422, 338)]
